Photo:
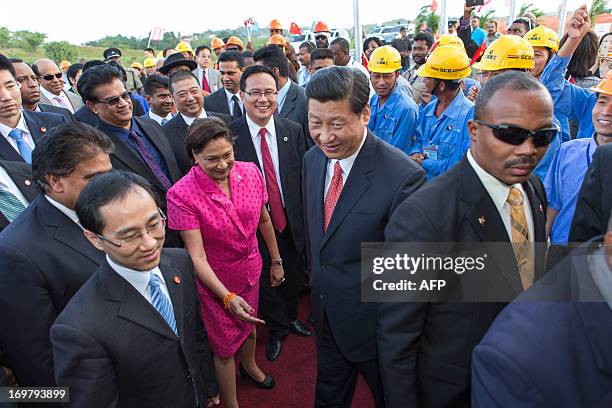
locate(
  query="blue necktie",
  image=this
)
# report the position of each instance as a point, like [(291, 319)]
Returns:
[(24, 148), (164, 121), (161, 302)]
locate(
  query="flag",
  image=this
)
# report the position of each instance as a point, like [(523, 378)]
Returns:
[(479, 52), (156, 34), (295, 29), (364, 60), (434, 6)]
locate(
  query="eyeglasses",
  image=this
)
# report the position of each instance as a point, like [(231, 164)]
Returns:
[(126, 96), (51, 76), (515, 135), (258, 94), (155, 229)]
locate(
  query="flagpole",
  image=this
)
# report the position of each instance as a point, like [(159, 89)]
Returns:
[(443, 26), (562, 18), (357, 35), (512, 12)]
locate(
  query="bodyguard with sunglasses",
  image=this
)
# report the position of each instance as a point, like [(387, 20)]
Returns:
[(491, 196)]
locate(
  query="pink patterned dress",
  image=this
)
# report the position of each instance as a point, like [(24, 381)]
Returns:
[(228, 228)]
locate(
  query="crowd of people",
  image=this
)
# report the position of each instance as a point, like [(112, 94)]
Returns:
[(153, 218)]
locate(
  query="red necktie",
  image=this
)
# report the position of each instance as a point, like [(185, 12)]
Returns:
[(333, 194), (277, 212), (205, 85)]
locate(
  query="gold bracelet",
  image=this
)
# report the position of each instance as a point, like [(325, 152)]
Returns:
[(227, 299)]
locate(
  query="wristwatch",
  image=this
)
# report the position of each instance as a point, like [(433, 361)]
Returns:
[(278, 261)]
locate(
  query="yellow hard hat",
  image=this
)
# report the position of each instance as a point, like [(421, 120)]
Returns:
[(507, 52), (446, 63), (448, 40), (183, 47), (542, 36), (384, 60), (137, 65), (149, 62), (605, 86)]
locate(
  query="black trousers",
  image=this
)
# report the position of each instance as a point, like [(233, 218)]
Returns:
[(279, 306), (337, 377)]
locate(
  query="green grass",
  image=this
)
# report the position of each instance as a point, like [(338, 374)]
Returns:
[(89, 53)]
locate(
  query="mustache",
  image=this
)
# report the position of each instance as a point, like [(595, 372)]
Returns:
[(522, 161)]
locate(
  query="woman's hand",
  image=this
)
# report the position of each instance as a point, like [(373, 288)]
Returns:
[(277, 275), (243, 310)]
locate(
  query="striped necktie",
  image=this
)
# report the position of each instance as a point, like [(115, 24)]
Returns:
[(10, 205), (520, 237), (161, 302)]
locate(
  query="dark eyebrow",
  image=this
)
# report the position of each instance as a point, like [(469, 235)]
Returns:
[(124, 231)]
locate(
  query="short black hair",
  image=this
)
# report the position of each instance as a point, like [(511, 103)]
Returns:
[(527, 23), (203, 131), (231, 55), (73, 70), (340, 83), (202, 47), (321, 54), (512, 80), (247, 54), (155, 82), (256, 69), (150, 50), (308, 45), (104, 189), (63, 148), (273, 57), (95, 76), (342, 43), (179, 76), (6, 65), (424, 36), (92, 63), (16, 61), (369, 40)]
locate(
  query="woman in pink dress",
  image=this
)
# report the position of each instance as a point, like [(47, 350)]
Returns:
[(218, 208)]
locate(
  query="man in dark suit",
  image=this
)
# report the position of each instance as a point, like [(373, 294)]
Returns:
[(352, 184), (491, 196), (140, 145), (143, 292), (159, 99), (278, 153), (227, 100), (595, 199), (19, 132), (16, 190), (189, 100), (44, 257), (551, 346), (291, 97)]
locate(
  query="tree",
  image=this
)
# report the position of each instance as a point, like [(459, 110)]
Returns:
[(5, 37), (485, 18), (598, 7), (60, 50), (28, 40), (530, 7), (428, 17)]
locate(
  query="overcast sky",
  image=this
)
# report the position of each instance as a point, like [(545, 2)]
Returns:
[(79, 21)]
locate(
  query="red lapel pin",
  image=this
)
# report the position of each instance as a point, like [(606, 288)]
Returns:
[(27, 182), (43, 129), (482, 220), (177, 280)]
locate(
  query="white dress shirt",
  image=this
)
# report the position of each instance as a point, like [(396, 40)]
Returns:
[(21, 125), (282, 95), (230, 102), (190, 119), (65, 210), (52, 97), (346, 164), (158, 118), (272, 145), (7, 184), (499, 192), (140, 279)]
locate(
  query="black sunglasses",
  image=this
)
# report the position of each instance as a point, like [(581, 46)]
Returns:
[(51, 76), (515, 135), (126, 96)]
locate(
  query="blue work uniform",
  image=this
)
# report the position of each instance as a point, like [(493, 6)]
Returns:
[(395, 121), (570, 101), (444, 139), (563, 182), (542, 168)]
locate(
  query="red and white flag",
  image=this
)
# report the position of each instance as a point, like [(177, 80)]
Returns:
[(156, 34)]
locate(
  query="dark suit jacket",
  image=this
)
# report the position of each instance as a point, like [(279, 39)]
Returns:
[(425, 348), (176, 133), (85, 114), (289, 139), (123, 353), (57, 109), (595, 199), (44, 260), (380, 179), (295, 108), (550, 347), (38, 123), (21, 174), (217, 102)]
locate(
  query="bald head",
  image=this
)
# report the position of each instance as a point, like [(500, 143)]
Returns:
[(47, 71)]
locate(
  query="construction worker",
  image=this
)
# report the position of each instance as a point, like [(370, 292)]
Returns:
[(234, 43), (454, 41), (511, 52), (279, 40), (441, 136), (185, 49), (322, 35), (149, 65), (393, 114), (275, 27), (217, 46)]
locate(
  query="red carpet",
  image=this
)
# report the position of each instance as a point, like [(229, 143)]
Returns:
[(295, 374)]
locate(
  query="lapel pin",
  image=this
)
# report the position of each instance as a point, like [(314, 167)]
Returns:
[(285, 139), (43, 129), (27, 182), (541, 209), (177, 280), (482, 220)]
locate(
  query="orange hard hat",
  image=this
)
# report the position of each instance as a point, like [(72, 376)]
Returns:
[(605, 86), (277, 39), (321, 27), (216, 43), (275, 25), (233, 40)]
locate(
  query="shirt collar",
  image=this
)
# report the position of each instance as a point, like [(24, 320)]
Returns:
[(65, 210), (49, 95), (138, 279), (230, 95), (453, 109), (158, 118), (122, 133), (190, 119), (254, 127), (21, 125), (394, 96), (347, 163), (282, 93)]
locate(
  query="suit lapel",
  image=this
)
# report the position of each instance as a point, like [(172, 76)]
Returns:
[(22, 179), (316, 189), (539, 227), (245, 143), (132, 161), (282, 143), (36, 128), (180, 127), (157, 138), (8, 152), (289, 104)]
